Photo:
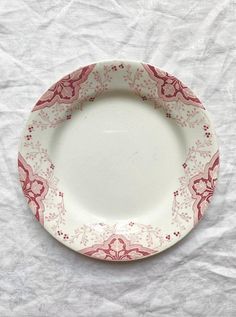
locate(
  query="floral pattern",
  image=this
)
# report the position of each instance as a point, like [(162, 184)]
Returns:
[(59, 113), (146, 235), (145, 87), (117, 248), (193, 165), (35, 188), (202, 187), (65, 90), (170, 88), (54, 209)]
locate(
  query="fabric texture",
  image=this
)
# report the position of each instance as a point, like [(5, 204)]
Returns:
[(40, 41)]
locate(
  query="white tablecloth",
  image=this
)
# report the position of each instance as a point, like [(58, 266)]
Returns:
[(40, 41)]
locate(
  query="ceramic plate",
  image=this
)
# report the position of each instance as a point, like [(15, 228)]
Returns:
[(118, 160)]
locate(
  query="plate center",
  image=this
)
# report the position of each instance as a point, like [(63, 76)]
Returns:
[(118, 158)]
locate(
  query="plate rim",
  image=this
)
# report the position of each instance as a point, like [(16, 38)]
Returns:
[(133, 62)]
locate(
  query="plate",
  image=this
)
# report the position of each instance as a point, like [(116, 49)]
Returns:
[(118, 160)]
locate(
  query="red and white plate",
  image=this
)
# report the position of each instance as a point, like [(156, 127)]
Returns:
[(118, 160)]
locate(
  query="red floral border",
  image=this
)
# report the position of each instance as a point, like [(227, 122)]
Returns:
[(117, 248), (65, 90), (170, 88), (34, 187), (202, 187)]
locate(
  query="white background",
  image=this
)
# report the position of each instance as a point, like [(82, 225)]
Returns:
[(40, 41)]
